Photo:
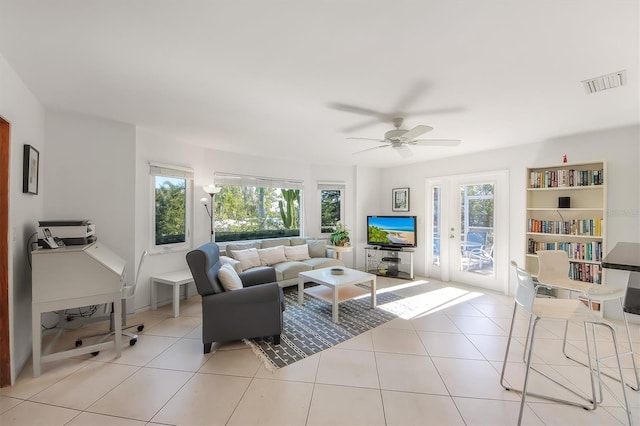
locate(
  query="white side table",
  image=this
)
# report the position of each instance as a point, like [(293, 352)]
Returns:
[(340, 249), (174, 279)]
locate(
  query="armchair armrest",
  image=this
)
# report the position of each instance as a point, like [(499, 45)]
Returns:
[(257, 276), (245, 296), (331, 254)]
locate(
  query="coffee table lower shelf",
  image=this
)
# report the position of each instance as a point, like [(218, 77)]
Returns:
[(344, 293)]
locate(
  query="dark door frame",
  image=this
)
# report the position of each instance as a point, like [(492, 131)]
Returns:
[(5, 355)]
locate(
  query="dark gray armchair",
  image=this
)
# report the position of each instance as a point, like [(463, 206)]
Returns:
[(252, 311)]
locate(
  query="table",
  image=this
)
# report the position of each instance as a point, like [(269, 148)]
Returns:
[(174, 279), (336, 288), (340, 249), (626, 257)]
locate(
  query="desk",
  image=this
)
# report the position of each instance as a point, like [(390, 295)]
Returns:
[(626, 257), (174, 279), (72, 277)]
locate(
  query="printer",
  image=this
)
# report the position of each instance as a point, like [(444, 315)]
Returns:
[(70, 232)]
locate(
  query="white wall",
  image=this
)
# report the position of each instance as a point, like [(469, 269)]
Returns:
[(89, 174), (368, 202), (204, 162), (619, 148), (26, 116)]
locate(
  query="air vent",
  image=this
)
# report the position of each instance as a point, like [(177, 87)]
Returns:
[(605, 82)]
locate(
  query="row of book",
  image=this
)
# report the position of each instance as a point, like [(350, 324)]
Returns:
[(592, 227), (591, 251), (587, 272), (565, 178)]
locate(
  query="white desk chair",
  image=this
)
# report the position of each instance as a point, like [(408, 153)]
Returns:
[(127, 292), (556, 309), (553, 271)]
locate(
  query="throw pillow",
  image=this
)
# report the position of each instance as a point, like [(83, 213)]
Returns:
[(248, 258), (317, 248), (229, 277), (297, 252), (241, 246), (272, 255)]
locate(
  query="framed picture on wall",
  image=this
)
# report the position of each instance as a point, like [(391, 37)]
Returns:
[(400, 199), (30, 170)]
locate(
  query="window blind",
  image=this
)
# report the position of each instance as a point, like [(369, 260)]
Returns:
[(331, 185), (162, 169), (222, 179)]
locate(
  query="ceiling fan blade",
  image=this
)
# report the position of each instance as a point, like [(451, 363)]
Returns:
[(371, 149), (365, 139), (417, 131), (362, 125), (416, 91), (357, 110), (436, 142), (404, 151), (436, 111)]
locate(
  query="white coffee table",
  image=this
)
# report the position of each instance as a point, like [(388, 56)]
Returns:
[(336, 288)]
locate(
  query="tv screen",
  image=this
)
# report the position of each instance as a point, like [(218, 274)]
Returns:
[(391, 231)]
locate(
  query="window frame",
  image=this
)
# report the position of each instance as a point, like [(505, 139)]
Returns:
[(251, 181), (176, 172), (331, 186)]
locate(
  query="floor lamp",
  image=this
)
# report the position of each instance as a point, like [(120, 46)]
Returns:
[(212, 190)]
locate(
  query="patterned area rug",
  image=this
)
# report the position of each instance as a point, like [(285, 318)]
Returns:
[(308, 329)]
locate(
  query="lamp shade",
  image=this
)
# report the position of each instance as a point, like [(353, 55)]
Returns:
[(211, 189)]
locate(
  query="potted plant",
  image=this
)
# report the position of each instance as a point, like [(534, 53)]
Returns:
[(340, 236)]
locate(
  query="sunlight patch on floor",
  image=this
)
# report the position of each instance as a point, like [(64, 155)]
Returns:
[(428, 303)]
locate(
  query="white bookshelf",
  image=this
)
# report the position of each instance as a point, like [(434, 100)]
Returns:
[(579, 229)]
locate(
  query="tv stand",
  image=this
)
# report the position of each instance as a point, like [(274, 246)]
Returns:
[(389, 262)]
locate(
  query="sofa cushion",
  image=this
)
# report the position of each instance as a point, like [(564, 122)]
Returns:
[(272, 255), (289, 270), (322, 262), (241, 246), (248, 258), (297, 252), (298, 241), (229, 277), (275, 242), (317, 248)]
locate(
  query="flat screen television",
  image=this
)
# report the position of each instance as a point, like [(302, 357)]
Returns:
[(391, 231)]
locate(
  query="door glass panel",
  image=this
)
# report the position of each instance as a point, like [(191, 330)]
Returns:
[(476, 228), (435, 234)]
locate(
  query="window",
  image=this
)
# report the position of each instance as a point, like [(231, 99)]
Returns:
[(171, 223), (331, 206), (250, 208)]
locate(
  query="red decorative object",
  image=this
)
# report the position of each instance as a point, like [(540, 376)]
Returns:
[(564, 158)]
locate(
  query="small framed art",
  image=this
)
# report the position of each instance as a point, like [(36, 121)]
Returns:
[(30, 170), (400, 199)]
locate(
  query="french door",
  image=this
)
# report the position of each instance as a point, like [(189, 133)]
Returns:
[(467, 229)]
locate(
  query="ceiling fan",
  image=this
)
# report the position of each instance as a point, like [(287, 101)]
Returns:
[(401, 139)]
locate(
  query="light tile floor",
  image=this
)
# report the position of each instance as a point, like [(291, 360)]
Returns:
[(438, 366)]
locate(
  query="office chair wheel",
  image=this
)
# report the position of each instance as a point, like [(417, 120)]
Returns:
[(140, 327), (78, 343), (95, 353), (132, 342)]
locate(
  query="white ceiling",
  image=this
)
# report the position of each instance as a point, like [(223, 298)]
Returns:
[(260, 77)]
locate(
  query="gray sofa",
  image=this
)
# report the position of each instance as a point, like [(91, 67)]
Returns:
[(252, 311), (287, 271)]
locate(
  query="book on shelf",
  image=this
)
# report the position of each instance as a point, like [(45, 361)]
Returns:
[(589, 251), (562, 178), (589, 227)]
